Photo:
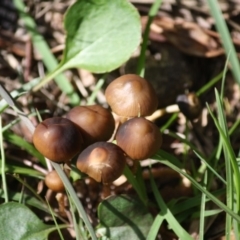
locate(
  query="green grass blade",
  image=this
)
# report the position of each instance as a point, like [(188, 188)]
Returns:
[(202, 209), (211, 168), (141, 182), (31, 189), (97, 87), (167, 214), (75, 224), (209, 84), (228, 167), (236, 224), (47, 57), (131, 179), (17, 120), (174, 160), (3, 169), (226, 38), (75, 199), (187, 204), (22, 143), (55, 222), (12, 168), (224, 76), (234, 127), (151, 14), (229, 151), (232, 171), (152, 235), (168, 162)]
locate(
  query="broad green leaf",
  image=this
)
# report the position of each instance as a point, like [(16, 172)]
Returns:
[(122, 217), (18, 222), (27, 199), (101, 35)]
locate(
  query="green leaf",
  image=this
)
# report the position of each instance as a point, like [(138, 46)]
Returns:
[(101, 34), (27, 199), (20, 223), (122, 217)]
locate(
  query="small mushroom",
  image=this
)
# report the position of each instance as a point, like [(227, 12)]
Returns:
[(139, 138), (58, 139), (54, 182), (130, 96), (102, 161), (190, 105), (95, 122)]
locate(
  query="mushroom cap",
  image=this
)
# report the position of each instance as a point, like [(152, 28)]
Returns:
[(131, 95), (58, 139), (54, 182), (190, 105), (95, 122), (139, 138), (102, 161)]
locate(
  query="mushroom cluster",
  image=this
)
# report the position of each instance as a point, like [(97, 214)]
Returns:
[(86, 129), (133, 97)]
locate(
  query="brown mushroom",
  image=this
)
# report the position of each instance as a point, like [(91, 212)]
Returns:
[(102, 161), (54, 182), (139, 138), (190, 105), (58, 139), (95, 122), (131, 96)]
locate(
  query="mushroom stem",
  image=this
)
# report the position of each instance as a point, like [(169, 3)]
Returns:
[(135, 167), (60, 199), (161, 112), (106, 191)]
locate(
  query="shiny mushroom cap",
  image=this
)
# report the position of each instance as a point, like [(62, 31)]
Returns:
[(54, 182), (58, 139), (139, 138), (131, 96), (95, 122), (102, 161)]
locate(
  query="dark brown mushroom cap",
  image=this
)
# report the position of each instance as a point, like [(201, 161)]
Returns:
[(139, 138), (95, 122), (58, 139), (54, 182), (131, 96), (190, 105), (102, 161)]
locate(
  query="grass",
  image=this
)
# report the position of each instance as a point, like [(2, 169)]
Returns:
[(175, 213)]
